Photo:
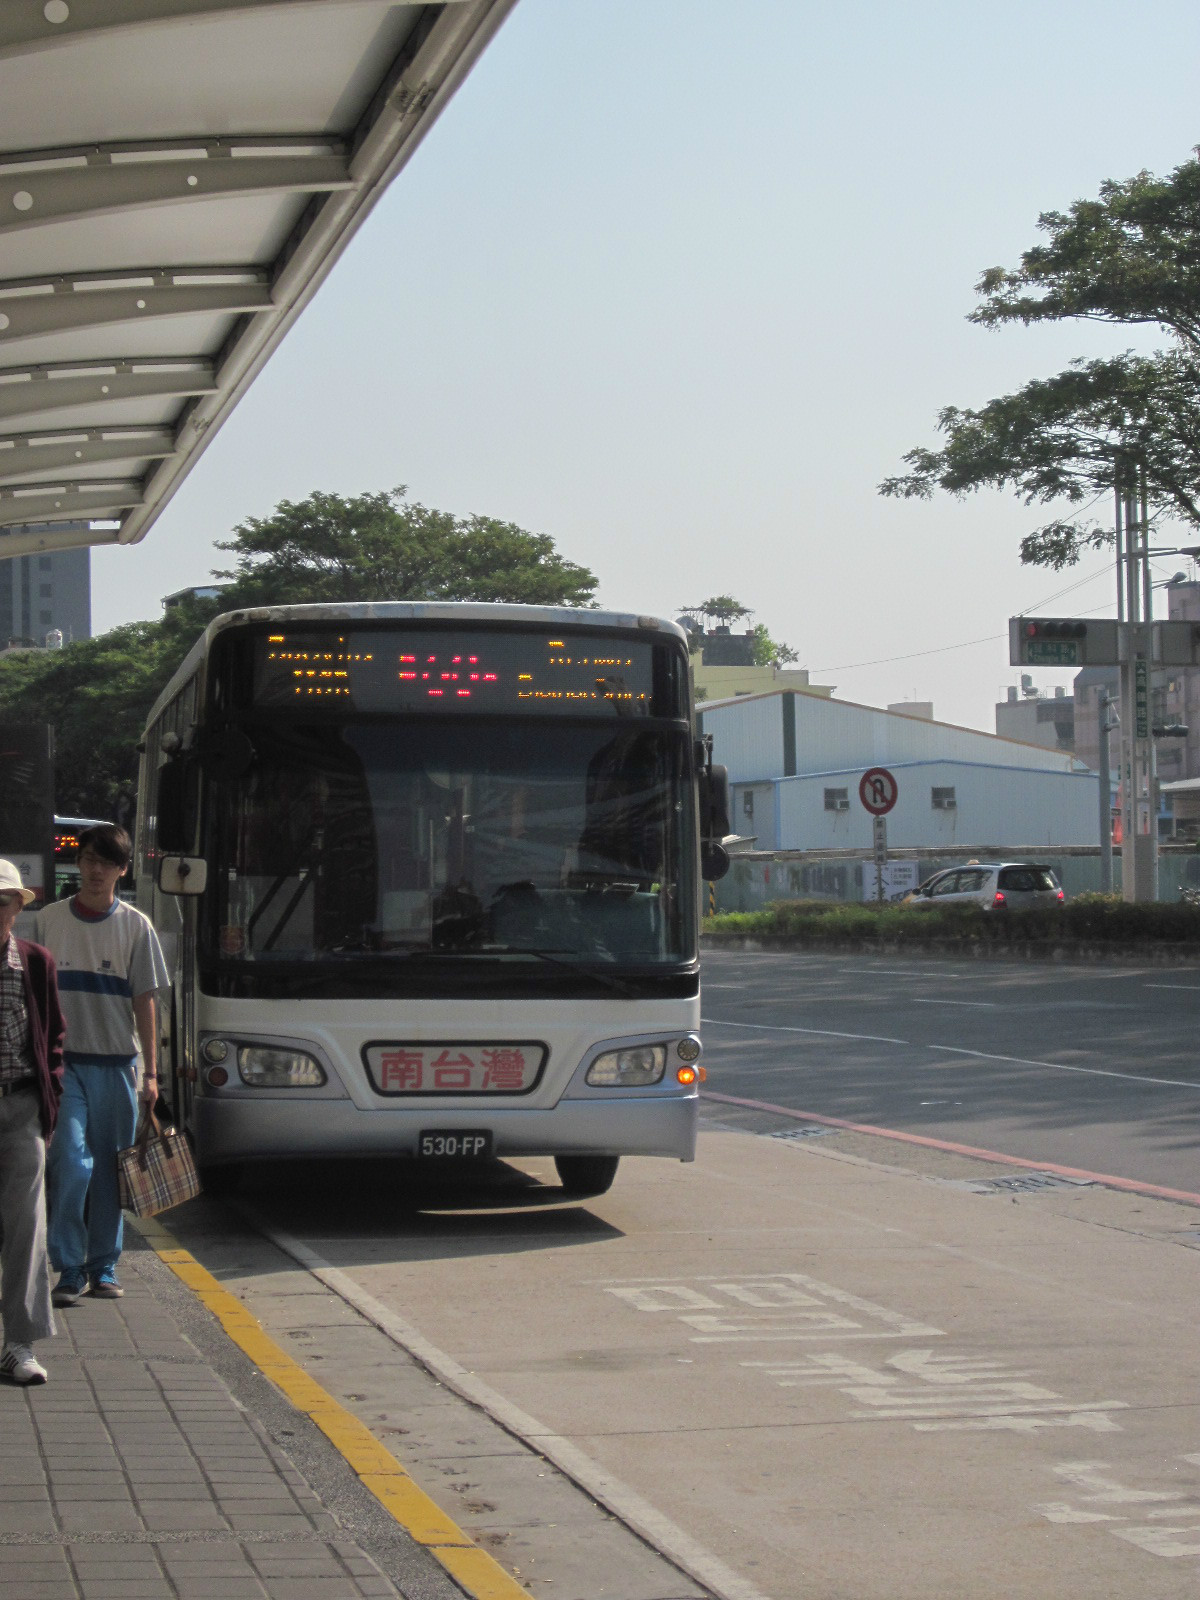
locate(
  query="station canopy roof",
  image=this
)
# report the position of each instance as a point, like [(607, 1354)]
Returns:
[(177, 177)]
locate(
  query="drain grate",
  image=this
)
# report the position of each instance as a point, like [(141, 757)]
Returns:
[(808, 1130), (1019, 1183)]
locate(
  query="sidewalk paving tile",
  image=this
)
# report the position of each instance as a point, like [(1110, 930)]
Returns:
[(134, 1474)]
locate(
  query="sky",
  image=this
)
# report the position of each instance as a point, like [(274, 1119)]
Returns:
[(678, 282)]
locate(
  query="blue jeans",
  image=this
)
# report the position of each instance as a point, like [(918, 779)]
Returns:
[(96, 1118)]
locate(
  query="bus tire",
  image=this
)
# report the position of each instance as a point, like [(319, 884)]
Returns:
[(586, 1175)]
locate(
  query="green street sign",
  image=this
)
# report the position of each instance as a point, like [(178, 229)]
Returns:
[(1052, 653), (1141, 697)]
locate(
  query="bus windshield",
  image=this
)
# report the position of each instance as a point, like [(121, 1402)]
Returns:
[(496, 841)]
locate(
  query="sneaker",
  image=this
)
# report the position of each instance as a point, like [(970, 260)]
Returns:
[(69, 1287), (104, 1285), (17, 1364)]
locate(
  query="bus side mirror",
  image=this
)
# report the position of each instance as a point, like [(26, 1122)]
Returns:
[(182, 874), (172, 805), (714, 861)]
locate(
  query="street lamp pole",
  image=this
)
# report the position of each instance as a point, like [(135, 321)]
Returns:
[(1106, 864)]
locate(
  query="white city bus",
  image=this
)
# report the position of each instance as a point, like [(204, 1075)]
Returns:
[(427, 880)]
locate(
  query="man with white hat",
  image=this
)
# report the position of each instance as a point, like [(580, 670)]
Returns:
[(31, 1076)]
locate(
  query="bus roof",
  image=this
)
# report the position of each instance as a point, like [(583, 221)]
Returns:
[(455, 611)]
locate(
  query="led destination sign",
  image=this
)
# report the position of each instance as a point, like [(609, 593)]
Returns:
[(442, 671)]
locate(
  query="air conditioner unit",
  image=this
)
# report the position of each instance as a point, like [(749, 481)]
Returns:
[(941, 804), (841, 805)]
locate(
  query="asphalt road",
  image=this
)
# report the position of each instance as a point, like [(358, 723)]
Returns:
[(1096, 1068), (831, 1367)]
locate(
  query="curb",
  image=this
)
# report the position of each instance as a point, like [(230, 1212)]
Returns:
[(472, 1568)]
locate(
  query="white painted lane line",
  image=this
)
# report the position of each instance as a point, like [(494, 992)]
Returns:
[(1061, 1066), (823, 1033), (956, 1050), (1192, 988), (975, 1005), (659, 1531)]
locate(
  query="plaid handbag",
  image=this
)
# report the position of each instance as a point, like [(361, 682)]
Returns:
[(156, 1173)]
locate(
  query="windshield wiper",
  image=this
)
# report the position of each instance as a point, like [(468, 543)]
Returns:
[(553, 958)]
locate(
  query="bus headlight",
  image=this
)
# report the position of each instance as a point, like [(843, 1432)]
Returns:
[(629, 1069), (261, 1068)]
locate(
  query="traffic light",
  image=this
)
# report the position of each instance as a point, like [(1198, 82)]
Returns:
[(1053, 628), (1062, 642)]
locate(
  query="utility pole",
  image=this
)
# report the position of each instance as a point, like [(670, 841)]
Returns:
[(1139, 823), (1106, 870)]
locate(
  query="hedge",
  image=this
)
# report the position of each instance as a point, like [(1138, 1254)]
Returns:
[(1088, 918)]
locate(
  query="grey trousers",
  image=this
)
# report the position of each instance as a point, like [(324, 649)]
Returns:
[(24, 1267)]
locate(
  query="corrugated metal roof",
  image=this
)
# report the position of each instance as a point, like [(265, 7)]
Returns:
[(837, 735), (177, 177)]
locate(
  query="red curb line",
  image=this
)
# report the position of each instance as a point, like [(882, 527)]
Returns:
[(1130, 1184)]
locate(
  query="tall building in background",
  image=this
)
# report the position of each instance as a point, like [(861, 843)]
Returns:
[(45, 592)]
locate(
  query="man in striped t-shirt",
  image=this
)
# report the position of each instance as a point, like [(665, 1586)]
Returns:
[(109, 966)]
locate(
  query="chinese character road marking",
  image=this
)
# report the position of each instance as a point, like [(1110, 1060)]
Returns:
[(1166, 1522), (940, 1393), (768, 1306)]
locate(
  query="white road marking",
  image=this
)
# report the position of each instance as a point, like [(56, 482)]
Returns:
[(772, 1306), (898, 972), (659, 1531), (823, 1033), (1191, 988), (941, 1392), (956, 1050), (977, 1005), (1060, 1066), (1171, 1506)]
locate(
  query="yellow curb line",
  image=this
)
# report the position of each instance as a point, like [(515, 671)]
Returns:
[(472, 1568)]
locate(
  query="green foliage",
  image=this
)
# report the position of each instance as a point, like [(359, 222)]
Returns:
[(383, 547), (1087, 919), (97, 693), (722, 608), (1070, 438), (1132, 256), (768, 653)]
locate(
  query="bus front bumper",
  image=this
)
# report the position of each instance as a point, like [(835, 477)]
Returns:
[(276, 1127)]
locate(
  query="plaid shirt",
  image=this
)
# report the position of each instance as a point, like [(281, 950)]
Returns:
[(16, 1054)]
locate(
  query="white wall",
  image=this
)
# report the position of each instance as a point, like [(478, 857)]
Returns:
[(1000, 807)]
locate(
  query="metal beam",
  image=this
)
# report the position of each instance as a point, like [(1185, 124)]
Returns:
[(57, 306), (54, 536), (68, 503), (408, 103), (56, 186), (31, 24), (37, 391), (24, 457)]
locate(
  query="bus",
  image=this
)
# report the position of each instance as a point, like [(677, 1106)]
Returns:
[(66, 848), (427, 879)]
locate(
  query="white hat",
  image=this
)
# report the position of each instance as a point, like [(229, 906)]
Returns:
[(10, 879)]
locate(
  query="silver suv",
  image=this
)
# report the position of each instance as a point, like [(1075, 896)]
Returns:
[(994, 886)]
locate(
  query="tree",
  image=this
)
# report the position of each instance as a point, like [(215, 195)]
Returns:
[(1069, 438), (98, 692), (383, 547), (767, 653), (722, 608), (1130, 257)]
